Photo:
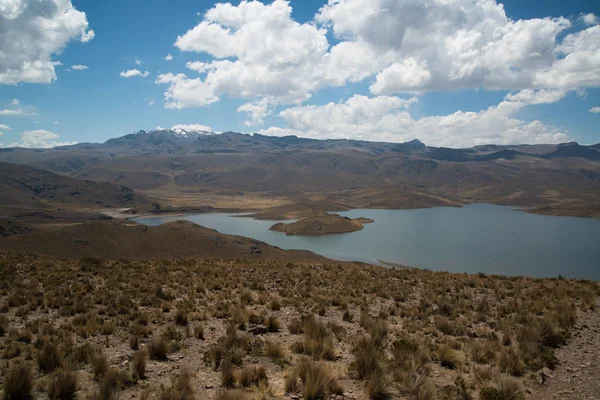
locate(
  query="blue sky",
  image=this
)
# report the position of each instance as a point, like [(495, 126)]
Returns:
[(456, 75)]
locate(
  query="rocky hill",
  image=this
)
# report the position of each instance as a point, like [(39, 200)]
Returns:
[(166, 164)]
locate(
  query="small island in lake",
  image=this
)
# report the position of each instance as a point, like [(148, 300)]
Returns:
[(321, 225)]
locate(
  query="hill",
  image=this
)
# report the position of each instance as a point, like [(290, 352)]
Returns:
[(321, 225), (124, 239), (28, 191), (254, 172)]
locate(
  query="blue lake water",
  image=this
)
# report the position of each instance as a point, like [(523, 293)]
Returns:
[(475, 238)]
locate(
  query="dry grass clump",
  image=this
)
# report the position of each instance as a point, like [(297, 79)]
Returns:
[(138, 365), (180, 389), (274, 350), (226, 394), (63, 385), (318, 342), (317, 380), (252, 375), (99, 363), (48, 358), (447, 357), (18, 383), (158, 348), (502, 387), (392, 326)]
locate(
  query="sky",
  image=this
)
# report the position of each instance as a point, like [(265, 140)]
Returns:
[(453, 73)]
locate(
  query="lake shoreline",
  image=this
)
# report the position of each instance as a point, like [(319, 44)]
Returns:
[(475, 238)]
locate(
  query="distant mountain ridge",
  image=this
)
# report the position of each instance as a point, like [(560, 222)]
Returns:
[(351, 173)]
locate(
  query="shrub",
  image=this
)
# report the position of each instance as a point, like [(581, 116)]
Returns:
[(63, 385), (18, 383), (48, 357), (367, 358), (158, 348), (503, 387), (139, 365), (252, 375)]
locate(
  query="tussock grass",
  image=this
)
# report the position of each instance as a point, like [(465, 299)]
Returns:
[(384, 329), (63, 385), (18, 383)]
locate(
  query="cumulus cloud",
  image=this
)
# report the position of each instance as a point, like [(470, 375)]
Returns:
[(595, 110), (134, 72), (15, 102), (387, 118), (39, 138), (168, 57), (259, 53), (33, 31), (138, 62), (590, 19), (79, 67), (5, 127)]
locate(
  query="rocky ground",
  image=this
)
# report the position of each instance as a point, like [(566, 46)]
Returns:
[(578, 375)]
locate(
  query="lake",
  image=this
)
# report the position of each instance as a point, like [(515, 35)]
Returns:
[(475, 238)]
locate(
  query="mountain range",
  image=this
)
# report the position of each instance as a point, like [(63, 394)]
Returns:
[(171, 165)]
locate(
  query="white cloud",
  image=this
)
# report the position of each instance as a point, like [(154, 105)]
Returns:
[(79, 67), (595, 110), (258, 110), (590, 19), (269, 56), (168, 57), (15, 102), (191, 128), (56, 123), (138, 62), (264, 56), (386, 118), (87, 36), (39, 138), (134, 72), (17, 111), (151, 102), (32, 32), (5, 127)]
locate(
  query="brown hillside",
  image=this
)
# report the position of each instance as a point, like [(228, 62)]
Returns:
[(116, 239), (36, 187)]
